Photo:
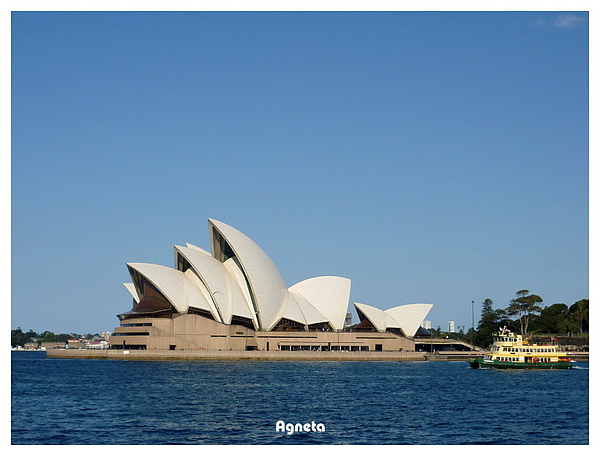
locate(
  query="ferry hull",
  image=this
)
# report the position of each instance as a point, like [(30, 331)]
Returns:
[(485, 363)]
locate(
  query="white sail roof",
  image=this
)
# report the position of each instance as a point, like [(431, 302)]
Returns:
[(267, 288), (328, 294), (131, 289), (298, 308), (407, 317), (376, 316), (241, 307), (222, 287), (181, 292)]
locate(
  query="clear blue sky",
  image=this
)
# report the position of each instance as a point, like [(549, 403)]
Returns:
[(430, 157)]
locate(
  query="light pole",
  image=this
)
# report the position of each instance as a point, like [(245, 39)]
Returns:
[(472, 320)]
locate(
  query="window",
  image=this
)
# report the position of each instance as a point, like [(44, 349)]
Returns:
[(182, 264)]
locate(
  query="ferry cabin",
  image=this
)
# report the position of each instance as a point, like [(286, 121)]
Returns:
[(512, 348)]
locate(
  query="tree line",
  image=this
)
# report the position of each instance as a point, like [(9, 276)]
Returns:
[(525, 315), (20, 338)]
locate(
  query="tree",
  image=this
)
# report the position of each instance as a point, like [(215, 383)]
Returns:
[(487, 324), (524, 307), (580, 313), (17, 338), (553, 319)]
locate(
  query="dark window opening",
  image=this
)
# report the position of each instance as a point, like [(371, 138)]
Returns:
[(288, 325), (128, 347), (364, 325), (201, 312), (397, 331), (182, 263), (152, 299), (222, 249), (242, 321), (320, 327)]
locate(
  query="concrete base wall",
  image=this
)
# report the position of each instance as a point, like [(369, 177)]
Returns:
[(195, 332), (163, 355)]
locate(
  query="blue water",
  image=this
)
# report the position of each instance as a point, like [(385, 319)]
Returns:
[(63, 401)]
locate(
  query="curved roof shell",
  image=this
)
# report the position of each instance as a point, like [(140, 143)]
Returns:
[(407, 317), (376, 316), (241, 307), (223, 289), (298, 308), (328, 294), (132, 291), (267, 288), (178, 288)]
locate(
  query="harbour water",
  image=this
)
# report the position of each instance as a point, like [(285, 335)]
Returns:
[(96, 402)]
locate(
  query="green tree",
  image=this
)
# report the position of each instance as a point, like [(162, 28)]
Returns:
[(487, 324), (524, 307), (49, 336), (552, 320), (580, 314), (17, 338)]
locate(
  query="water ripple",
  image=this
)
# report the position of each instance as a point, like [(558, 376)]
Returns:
[(58, 402)]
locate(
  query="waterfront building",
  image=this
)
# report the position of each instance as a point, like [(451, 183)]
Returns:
[(234, 298)]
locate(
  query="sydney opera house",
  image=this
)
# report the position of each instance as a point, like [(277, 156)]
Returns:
[(235, 299)]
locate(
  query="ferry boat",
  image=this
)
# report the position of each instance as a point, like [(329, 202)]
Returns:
[(510, 351)]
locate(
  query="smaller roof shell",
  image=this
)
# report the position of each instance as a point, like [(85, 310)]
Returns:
[(376, 316), (328, 294), (181, 292), (131, 289), (407, 317)]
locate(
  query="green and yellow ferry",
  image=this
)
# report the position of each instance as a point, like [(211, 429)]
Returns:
[(510, 351)]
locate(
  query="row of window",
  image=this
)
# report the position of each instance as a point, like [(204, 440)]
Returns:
[(507, 358), (516, 359), (506, 339), (526, 349), (323, 348)]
